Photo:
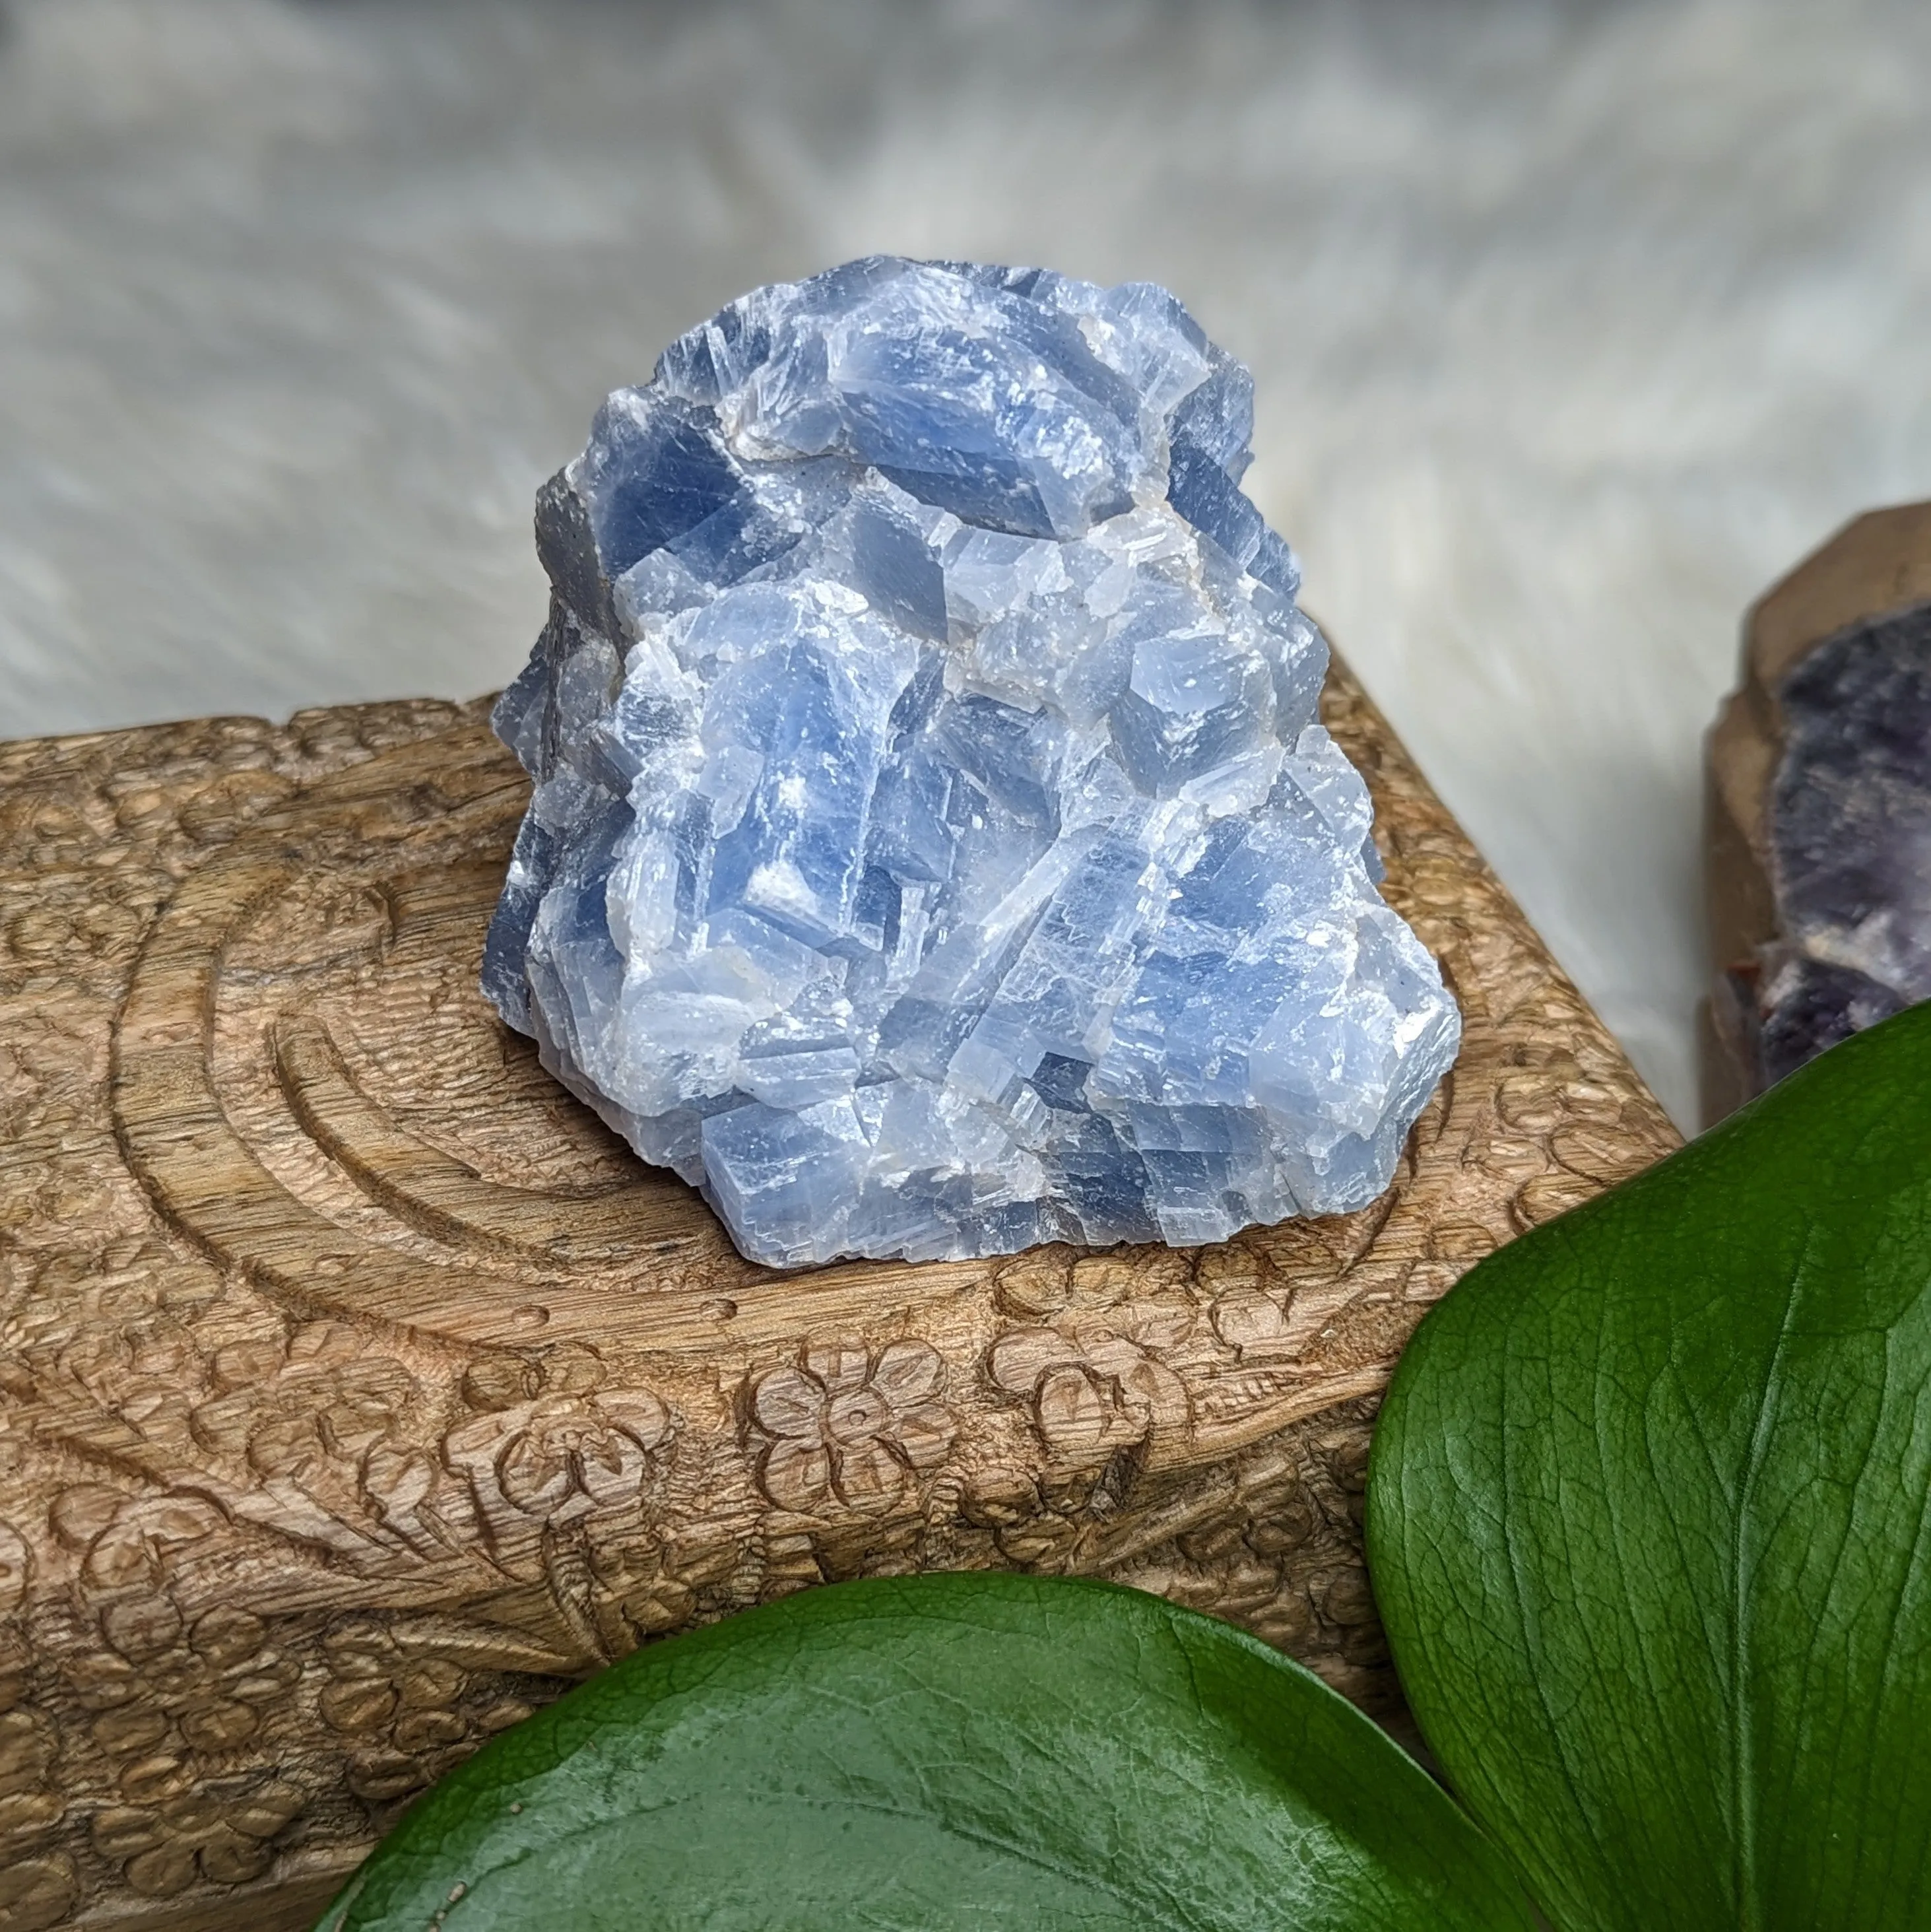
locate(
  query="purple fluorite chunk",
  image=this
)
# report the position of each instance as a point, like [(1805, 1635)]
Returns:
[(1851, 843)]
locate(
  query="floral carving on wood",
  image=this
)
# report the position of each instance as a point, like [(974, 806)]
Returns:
[(1094, 1393), (407, 1713), (221, 1836), (291, 1408), (560, 1456), (164, 1687), (844, 1429)]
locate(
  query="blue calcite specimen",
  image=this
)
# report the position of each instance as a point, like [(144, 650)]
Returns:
[(934, 850)]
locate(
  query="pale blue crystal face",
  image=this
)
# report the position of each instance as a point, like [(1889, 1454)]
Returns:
[(933, 850)]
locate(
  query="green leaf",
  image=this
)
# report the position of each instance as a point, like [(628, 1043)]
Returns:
[(941, 1751), (1648, 1522)]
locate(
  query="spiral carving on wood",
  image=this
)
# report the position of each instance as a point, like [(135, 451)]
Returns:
[(358, 1392)]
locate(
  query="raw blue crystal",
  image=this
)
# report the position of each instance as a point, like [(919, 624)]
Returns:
[(933, 850)]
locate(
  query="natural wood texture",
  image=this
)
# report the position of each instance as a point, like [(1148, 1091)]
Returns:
[(1877, 563), (361, 1392)]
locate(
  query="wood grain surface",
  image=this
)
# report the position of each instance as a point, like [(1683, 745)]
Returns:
[(358, 1392)]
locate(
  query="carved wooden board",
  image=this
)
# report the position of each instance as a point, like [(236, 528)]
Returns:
[(360, 1392)]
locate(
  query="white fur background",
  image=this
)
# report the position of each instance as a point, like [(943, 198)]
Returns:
[(1574, 325)]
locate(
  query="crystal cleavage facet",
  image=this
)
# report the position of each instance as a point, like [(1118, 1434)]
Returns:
[(933, 850)]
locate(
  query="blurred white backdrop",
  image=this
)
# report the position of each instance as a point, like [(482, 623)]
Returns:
[(1574, 324)]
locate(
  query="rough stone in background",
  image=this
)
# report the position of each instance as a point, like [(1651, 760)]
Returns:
[(1820, 820), (934, 849)]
